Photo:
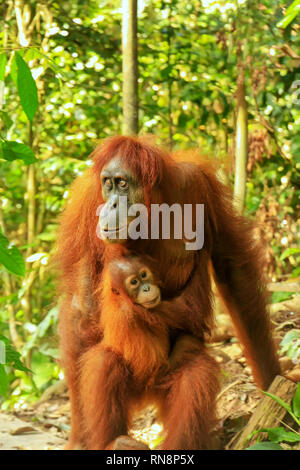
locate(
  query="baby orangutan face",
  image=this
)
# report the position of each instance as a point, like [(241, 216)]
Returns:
[(137, 281), (141, 288)]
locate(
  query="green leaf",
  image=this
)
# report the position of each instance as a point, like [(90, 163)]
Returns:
[(11, 257), (282, 403), (280, 434), (290, 14), (2, 67), (3, 381), (289, 252), (26, 88), (296, 402), (12, 150), (265, 446), (12, 357)]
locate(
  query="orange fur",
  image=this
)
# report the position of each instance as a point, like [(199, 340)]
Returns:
[(138, 335), (101, 383)]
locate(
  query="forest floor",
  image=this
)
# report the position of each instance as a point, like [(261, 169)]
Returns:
[(46, 424)]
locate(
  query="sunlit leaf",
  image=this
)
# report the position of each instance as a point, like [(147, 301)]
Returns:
[(11, 257), (296, 402), (3, 381), (27, 88), (281, 435), (15, 150), (290, 14), (12, 356), (2, 66)]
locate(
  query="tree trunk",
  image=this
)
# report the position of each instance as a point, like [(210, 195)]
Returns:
[(241, 144), (130, 68)]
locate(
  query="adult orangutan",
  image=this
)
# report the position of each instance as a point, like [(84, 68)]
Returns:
[(144, 173)]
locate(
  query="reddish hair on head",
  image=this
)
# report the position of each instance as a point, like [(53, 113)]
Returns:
[(140, 154)]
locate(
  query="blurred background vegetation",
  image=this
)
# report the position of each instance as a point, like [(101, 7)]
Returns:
[(61, 92)]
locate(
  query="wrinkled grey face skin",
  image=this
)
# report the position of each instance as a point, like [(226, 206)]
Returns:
[(116, 181)]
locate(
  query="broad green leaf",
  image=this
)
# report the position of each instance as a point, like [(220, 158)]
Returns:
[(3, 381), (12, 150), (280, 434), (11, 257), (277, 434), (26, 88), (296, 402), (13, 356), (265, 446), (2, 66)]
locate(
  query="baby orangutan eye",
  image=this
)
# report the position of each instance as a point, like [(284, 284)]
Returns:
[(134, 282), (143, 274)]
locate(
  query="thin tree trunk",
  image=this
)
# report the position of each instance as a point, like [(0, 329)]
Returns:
[(130, 68), (241, 151)]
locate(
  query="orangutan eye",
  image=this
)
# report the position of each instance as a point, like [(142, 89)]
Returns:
[(143, 274), (107, 183), (123, 184), (134, 282)]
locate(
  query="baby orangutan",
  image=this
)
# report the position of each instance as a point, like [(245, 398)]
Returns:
[(129, 293)]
